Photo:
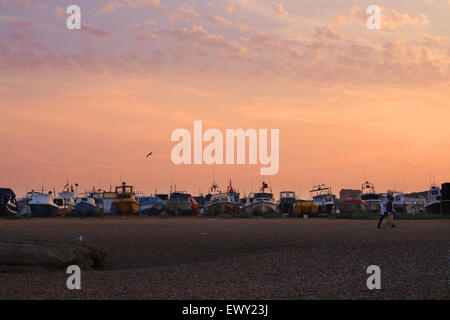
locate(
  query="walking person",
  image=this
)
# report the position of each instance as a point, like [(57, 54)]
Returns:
[(387, 210), (390, 212)]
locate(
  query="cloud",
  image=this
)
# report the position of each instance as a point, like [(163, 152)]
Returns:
[(133, 4), (279, 9), (61, 13), (326, 32), (198, 35), (429, 40), (23, 4), (230, 7), (185, 15), (218, 20), (96, 31), (390, 19)]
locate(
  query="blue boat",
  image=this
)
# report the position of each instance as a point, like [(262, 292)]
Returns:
[(151, 205)]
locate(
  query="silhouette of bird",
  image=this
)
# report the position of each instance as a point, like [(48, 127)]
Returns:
[(149, 154), (78, 240)]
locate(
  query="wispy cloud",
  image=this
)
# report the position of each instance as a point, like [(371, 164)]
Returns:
[(113, 5)]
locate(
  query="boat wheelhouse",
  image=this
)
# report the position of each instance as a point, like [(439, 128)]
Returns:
[(325, 199), (372, 199), (287, 200)]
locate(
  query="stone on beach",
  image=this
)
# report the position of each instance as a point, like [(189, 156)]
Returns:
[(32, 256)]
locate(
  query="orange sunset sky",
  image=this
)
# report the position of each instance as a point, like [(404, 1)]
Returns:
[(91, 103)]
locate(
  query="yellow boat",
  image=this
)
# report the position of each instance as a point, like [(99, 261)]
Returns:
[(125, 203), (302, 207)]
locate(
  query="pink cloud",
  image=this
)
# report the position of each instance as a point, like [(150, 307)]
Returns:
[(279, 9), (218, 20), (185, 15), (96, 31), (390, 19), (113, 5)]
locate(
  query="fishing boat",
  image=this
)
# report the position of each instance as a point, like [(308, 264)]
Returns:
[(287, 200), (125, 203), (400, 204), (303, 208), (247, 202), (66, 201), (213, 190), (372, 199), (263, 203), (181, 203), (434, 200), (235, 198), (151, 205), (8, 203), (220, 204), (107, 202), (43, 205), (86, 207), (325, 199)]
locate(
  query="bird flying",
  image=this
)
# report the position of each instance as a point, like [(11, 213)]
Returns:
[(149, 154)]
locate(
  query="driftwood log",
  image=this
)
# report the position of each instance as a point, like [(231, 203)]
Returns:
[(41, 256)]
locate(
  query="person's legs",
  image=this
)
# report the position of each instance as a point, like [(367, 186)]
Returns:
[(381, 220)]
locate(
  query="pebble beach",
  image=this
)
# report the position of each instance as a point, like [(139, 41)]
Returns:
[(201, 258)]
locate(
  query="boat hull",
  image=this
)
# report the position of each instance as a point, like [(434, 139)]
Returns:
[(152, 209), (44, 210), (262, 208), (8, 210), (220, 208), (181, 208), (434, 208), (126, 207), (85, 209), (287, 206)]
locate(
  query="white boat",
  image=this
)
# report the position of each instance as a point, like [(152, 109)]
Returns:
[(86, 207), (400, 204), (434, 200), (322, 195), (42, 205), (372, 199), (220, 204), (262, 203)]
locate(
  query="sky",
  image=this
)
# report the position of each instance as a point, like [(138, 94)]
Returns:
[(350, 103)]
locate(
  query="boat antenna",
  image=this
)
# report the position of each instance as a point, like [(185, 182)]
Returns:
[(429, 172), (312, 175)]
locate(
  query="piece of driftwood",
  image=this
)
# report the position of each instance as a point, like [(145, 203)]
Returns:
[(36, 255)]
